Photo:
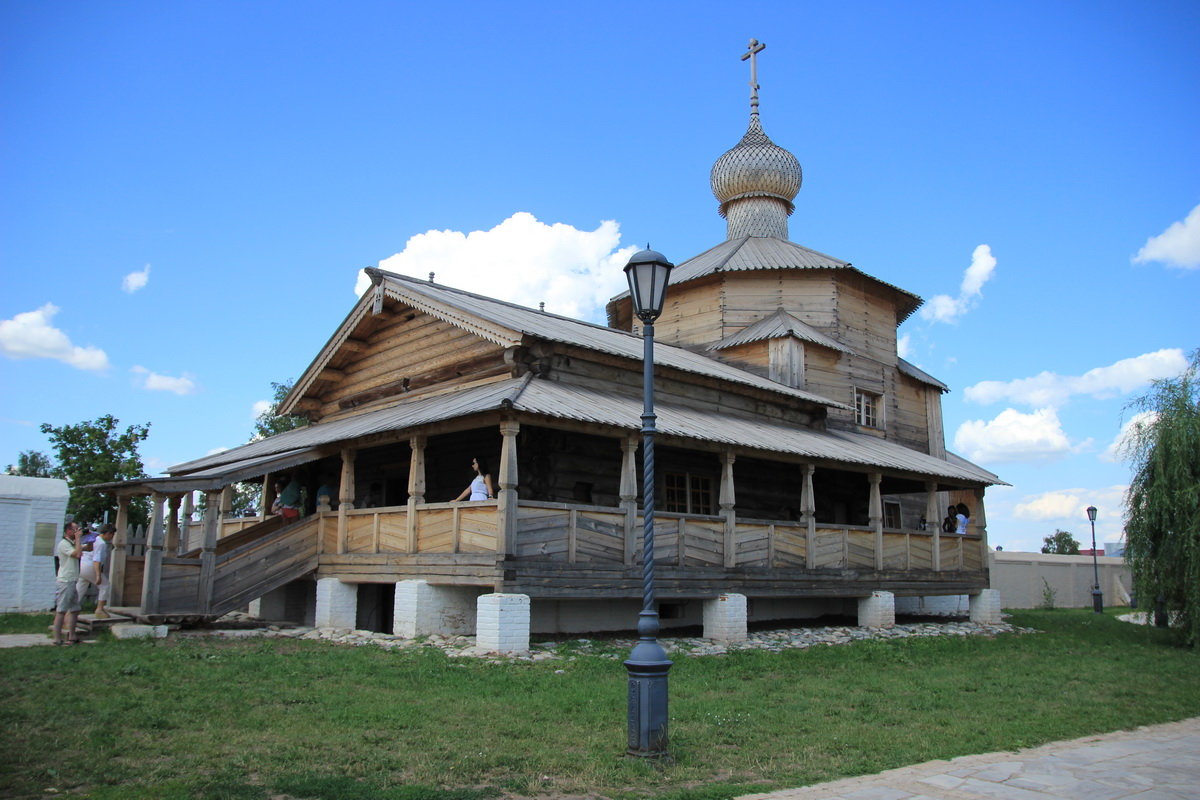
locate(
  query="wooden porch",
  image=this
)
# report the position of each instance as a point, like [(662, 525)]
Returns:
[(559, 550)]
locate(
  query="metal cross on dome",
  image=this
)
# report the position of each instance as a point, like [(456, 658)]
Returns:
[(755, 47)]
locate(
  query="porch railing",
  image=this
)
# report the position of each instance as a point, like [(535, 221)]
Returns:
[(580, 534)]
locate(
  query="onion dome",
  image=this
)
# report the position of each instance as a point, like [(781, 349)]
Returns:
[(755, 182)]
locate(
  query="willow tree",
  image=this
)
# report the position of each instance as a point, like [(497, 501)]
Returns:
[(1163, 503)]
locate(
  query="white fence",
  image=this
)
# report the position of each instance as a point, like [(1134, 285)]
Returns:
[(1020, 576)]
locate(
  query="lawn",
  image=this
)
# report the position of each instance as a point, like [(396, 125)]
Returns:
[(269, 718)]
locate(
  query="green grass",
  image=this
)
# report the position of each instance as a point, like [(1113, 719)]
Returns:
[(25, 623), (266, 718)]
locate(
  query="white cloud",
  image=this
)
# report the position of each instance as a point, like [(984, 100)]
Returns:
[(944, 308), (1013, 436), (30, 335), (1116, 449), (260, 407), (904, 346), (165, 383), (136, 280), (523, 261), (1177, 246), (1067, 509), (1052, 389)]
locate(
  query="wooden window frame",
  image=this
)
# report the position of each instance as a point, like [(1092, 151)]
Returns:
[(696, 490), (868, 415)]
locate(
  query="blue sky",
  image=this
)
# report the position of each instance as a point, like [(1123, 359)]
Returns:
[(189, 192)]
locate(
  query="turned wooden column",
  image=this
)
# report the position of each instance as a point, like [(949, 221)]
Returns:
[(154, 555), (226, 506), (726, 499), (172, 543), (208, 547), (933, 518), (808, 513), (506, 506), (267, 498), (345, 497), (629, 493), (186, 523), (876, 514), (120, 551), (416, 488), (979, 521)]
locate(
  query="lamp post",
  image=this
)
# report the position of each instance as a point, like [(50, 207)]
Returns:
[(1097, 595), (648, 664)]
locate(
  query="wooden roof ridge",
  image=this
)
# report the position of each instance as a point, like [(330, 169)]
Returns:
[(779, 325)]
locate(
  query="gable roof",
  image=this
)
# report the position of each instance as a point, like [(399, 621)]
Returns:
[(779, 325), (753, 253), (508, 324)]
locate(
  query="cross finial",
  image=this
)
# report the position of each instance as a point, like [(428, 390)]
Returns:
[(755, 47)]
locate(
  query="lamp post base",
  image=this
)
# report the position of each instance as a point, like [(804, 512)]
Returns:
[(647, 724), (1097, 601)]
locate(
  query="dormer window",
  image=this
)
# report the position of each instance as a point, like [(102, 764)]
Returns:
[(866, 408)]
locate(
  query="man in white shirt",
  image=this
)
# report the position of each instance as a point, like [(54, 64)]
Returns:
[(66, 600)]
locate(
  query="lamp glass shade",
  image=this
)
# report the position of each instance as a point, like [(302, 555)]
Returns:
[(1091, 512), (648, 273)]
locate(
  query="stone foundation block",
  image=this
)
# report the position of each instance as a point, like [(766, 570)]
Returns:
[(423, 610), (985, 607), (337, 603), (877, 611), (502, 623), (725, 618), (129, 630)]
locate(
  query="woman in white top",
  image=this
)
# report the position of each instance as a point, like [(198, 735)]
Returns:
[(481, 486), (963, 518)]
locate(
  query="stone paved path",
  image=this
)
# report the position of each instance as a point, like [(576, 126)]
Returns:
[(1157, 762)]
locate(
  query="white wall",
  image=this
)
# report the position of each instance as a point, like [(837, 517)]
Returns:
[(1019, 577), (27, 580)]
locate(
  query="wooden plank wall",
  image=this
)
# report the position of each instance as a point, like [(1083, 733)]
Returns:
[(179, 585)]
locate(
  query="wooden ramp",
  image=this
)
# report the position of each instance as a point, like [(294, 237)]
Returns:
[(243, 567)]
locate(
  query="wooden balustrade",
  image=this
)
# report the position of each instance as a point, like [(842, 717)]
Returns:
[(576, 534)]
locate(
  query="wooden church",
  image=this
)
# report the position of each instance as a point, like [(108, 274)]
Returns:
[(801, 462)]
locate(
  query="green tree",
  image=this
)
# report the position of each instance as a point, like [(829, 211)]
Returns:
[(271, 422), (32, 464), (1061, 543), (1162, 526), (96, 452)]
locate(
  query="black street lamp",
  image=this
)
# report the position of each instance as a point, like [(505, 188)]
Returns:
[(1097, 595), (648, 664)]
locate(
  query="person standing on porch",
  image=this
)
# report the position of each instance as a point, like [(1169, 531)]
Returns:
[(66, 599), (481, 486), (963, 518), (287, 504)]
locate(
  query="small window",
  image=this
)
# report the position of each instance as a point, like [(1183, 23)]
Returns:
[(891, 515), (866, 408), (687, 493)]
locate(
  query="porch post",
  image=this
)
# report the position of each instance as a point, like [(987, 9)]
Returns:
[(226, 507), (979, 520), (116, 572), (416, 488), (933, 518), (172, 545), (506, 505), (628, 494), (876, 514), (186, 523), (808, 513), (267, 498), (726, 499), (208, 555), (154, 556), (345, 497)]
